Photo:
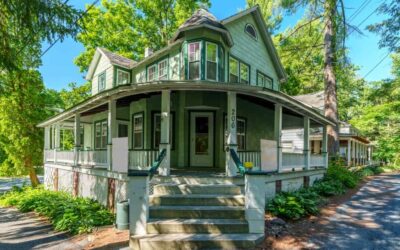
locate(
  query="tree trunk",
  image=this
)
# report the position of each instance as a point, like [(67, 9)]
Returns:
[(32, 173), (331, 109)]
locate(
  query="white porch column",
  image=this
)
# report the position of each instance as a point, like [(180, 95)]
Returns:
[(77, 137), (56, 141), (111, 123), (47, 138), (325, 144), (231, 141), (349, 152), (353, 153), (306, 141), (369, 154), (278, 134), (165, 132), (255, 202)]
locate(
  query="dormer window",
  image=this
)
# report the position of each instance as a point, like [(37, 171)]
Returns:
[(102, 81), (122, 77), (251, 31)]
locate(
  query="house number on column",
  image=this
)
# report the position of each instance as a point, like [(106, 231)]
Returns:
[(233, 118)]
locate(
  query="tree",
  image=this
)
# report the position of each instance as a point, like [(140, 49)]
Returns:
[(74, 94), (24, 24), (21, 110), (271, 12), (127, 27)]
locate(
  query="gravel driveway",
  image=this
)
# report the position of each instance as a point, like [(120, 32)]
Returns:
[(369, 220)]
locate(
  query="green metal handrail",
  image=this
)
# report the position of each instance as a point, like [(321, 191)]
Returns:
[(237, 161), (154, 167)]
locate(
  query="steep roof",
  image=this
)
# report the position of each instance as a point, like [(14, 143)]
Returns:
[(114, 59), (117, 59), (316, 100), (201, 18)]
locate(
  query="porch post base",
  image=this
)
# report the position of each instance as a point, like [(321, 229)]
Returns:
[(255, 203), (138, 190)]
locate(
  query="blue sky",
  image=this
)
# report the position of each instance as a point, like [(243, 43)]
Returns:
[(58, 68)]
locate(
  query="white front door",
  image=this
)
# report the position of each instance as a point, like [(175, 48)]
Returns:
[(201, 139)]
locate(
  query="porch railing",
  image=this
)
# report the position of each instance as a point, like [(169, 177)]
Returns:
[(92, 157), (49, 155), (142, 158), (65, 156), (292, 161), (317, 160), (251, 156)]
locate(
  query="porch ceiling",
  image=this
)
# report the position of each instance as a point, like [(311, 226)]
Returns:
[(123, 94)]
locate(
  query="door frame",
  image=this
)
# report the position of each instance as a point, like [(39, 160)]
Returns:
[(213, 112)]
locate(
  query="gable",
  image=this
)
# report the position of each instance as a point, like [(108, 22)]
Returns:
[(102, 66), (252, 51)]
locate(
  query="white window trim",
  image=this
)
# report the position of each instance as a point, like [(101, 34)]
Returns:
[(155, 73), (166, 68), (216, 61), (188, 55), (123, 71), (133, 131), (101, 75)]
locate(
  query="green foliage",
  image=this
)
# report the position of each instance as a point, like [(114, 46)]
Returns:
[(25, 24), (127, 27), (66, 213), (329, 187), (271, 11), (345, 176)]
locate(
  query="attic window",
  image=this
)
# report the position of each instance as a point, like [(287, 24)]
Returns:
[(251, 31)]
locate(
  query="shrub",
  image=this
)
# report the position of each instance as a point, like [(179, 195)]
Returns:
[(66, 213), (328, 187), (346, 177)]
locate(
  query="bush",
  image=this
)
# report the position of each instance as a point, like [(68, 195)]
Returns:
[(66, 213), (346, 177), (328, 187)]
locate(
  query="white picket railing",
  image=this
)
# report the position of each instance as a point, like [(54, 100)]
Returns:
[(251, 156), (317, 160), (142, 158), (66, 157), (292, 160), (93, 157)]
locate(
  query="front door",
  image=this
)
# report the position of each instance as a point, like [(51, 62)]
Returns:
[(201, 139)]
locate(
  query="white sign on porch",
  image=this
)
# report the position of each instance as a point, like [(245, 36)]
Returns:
[(120, 154), (269, 154)]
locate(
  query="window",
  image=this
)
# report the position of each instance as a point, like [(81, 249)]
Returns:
[(264, 80), (141, 76), (123, 77), (151, 73), (233, 70), (102, 81), (250, 30), (157, 130), (244, 73), (194, 61), (211, 55), (100, 141), (163, 70), (240, 132), (82, 136), (137, 125)]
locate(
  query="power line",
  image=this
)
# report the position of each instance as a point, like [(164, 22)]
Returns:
[(365, 19), (376, 65), (359, 10), (76, 22)]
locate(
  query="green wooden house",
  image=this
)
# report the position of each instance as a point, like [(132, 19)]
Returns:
[(191, 135)]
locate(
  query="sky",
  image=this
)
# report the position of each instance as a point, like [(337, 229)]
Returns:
[(58, 68)]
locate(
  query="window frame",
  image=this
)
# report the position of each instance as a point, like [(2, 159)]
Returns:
[(154, 113), (102, 75), (240, 63), (240, 72), (238, 69), (216, 61), (264, 76), (199, 59), (155, 66), (138, 114), (117, 77), (225, 130), (101, 122), (255, 37), (166, 69)]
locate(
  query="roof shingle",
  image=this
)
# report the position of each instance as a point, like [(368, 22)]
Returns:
[(117, 59)]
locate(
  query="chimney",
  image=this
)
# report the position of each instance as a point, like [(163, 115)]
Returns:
[(148, 52)]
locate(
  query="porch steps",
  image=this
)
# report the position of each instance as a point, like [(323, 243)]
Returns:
[(201, 179), (197, 214)]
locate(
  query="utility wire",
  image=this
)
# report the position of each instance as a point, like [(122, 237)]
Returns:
[(359, 10)]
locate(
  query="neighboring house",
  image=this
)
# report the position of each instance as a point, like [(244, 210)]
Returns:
[(196, 111), (354, 148)]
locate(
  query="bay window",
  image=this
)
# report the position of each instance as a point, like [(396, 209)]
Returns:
[(194, 60), (211, 56)]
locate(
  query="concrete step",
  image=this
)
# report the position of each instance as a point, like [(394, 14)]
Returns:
[(211, 226), (197, 200), (162, 189), (196, 180), (196, 212), (196, 241)]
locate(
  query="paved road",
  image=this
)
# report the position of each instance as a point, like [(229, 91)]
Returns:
[(369, 220), (7, 183), (19, 231)]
